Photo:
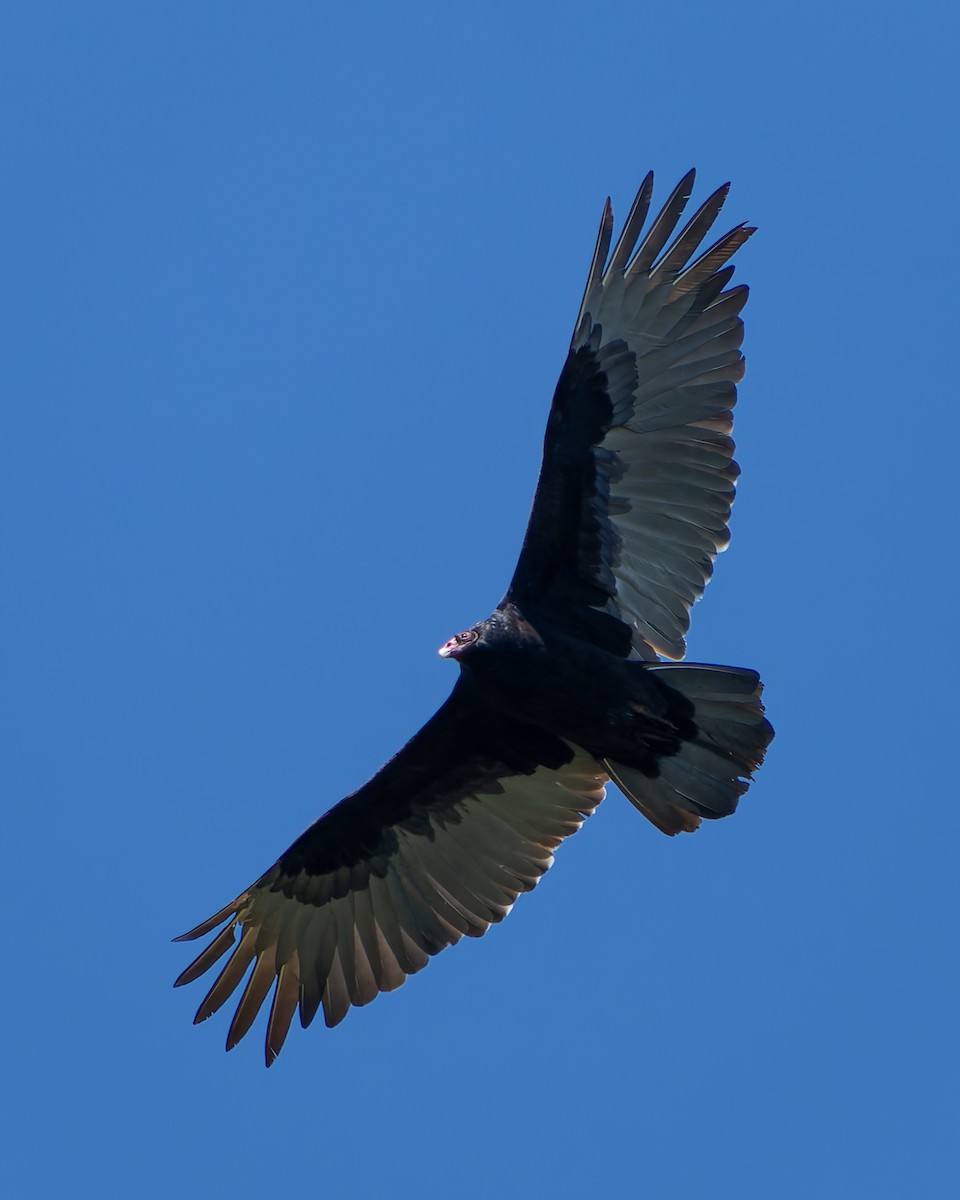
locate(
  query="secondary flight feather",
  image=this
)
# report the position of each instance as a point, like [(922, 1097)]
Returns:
[(563, 687)]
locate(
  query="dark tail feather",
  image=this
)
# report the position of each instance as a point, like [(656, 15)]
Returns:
[(712, 770)]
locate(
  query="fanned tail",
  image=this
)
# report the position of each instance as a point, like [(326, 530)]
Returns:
[(711, 770)]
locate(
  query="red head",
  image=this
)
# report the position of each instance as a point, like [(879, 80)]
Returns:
[(457, 645)]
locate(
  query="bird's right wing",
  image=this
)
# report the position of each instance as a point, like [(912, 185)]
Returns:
[(638, 474), (438, 845)]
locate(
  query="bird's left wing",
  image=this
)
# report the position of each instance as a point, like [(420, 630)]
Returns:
[(438, 845), (638, 473)]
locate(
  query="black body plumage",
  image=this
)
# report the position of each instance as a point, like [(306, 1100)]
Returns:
[(563, 687)]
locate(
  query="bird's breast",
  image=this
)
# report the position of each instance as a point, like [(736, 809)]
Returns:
[(566, 686)]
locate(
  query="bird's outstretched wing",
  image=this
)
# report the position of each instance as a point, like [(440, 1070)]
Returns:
[(438, 845), (638, 474)]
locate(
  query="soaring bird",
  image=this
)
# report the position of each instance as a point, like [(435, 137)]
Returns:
[(561, 689)]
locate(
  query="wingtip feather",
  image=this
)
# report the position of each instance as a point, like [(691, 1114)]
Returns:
[(211, 923)]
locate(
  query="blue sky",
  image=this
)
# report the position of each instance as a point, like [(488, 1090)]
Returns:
[(286, 291)]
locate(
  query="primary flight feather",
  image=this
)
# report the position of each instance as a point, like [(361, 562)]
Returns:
[(562, 688)]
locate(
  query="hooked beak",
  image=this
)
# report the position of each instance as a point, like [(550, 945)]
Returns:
[(449, 649)]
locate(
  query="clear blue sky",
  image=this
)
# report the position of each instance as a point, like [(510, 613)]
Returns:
[(286, 291)]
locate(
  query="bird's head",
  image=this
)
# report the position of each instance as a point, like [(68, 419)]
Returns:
[(460, 644)]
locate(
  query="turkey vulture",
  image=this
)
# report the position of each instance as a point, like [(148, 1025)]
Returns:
[(563, 687)]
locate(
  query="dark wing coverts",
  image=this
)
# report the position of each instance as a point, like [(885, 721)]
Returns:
[(438, 845), (638, 457)]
